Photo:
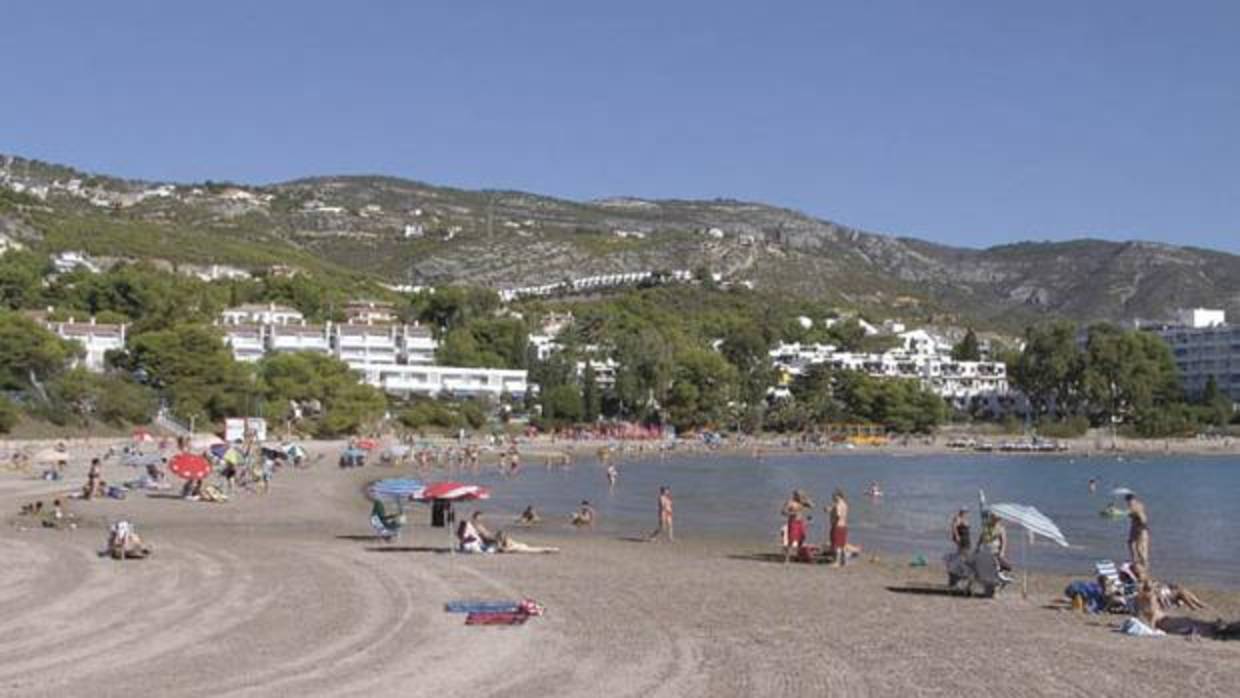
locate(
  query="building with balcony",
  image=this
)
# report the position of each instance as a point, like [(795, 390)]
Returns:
[(1204, 346), (248, 342), (419, 345), (433, 381), (96, 339), (362, 346), (302, 337)]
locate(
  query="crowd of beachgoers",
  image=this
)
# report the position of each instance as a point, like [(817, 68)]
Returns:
[(64, 485)]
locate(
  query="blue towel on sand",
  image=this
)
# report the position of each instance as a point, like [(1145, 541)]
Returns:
[(482, 607)]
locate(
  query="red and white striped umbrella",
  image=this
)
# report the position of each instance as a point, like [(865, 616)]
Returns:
[(189, 466), (454, 491)]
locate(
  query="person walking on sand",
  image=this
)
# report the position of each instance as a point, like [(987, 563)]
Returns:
[(665, 515), (838, 513), (1138, 532), (796, 508)]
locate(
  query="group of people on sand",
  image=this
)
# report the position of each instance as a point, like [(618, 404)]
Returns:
[(798, 514), (55, 516)]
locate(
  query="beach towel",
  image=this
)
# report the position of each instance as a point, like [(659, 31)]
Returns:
[(482, 606), (1136, 628), (529, 607), (496, 619)]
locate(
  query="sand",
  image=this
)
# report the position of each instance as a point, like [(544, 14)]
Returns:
[(289, 595)]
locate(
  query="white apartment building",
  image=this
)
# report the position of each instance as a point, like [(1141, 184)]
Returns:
[(262, 314), (922, 357), (405, 380), (302, 337), (247, 341), (419, 345), (95, 338), (362, 346), (1204, 345)]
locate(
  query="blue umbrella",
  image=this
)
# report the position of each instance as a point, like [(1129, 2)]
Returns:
[(398, 487), (218, 450)]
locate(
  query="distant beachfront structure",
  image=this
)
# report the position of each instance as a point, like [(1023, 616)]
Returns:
[(396, 358), (1204, 346), (920, 356), (96, 340)]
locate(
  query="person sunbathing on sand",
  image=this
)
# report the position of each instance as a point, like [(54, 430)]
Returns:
[(473, 537), (509, 545)]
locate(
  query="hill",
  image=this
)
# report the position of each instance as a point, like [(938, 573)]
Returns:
[(400, 232)]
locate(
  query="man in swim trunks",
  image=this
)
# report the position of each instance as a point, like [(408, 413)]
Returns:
[(795, 509), (1138, 532), (838, 512)]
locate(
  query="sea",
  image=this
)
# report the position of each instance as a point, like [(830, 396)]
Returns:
[(1191, 501)]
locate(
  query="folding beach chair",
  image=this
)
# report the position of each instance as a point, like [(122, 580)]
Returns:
[(1127, 589)]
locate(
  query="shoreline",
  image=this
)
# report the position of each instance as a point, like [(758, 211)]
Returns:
[(289, 593)]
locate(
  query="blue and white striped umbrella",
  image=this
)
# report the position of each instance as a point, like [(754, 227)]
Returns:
[(398, 487), (1031, 519)]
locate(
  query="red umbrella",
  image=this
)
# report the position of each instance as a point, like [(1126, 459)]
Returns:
[(142, 436), (189, 466), (454, 491), (367, 444)]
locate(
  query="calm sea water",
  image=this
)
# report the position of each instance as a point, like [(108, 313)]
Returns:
[(1191, 501)]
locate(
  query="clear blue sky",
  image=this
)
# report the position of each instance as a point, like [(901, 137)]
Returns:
[(968, 123)]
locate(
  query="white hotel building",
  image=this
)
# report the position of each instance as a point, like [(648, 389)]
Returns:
[(96, 339), (398, 359), (921, 357)]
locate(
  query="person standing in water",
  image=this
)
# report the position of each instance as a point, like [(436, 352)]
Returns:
[(838, 513), (1093, 485), (1138, 532), (959, 531), (665, 514), (612, 476)]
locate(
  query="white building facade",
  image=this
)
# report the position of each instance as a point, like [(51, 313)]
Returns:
[(95, 339)]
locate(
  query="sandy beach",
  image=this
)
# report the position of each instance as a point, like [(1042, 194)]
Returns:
[(289, 594)]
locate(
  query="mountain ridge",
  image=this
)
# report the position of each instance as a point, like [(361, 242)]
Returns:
[(404, 231)]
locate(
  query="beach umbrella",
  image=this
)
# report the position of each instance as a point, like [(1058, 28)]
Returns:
[(1034, 521), (189, 466), (1031, 520), (295, 451), (142, 436), (367, 444), (396, 487), (1121, 492), (51, 455), (453, 491)]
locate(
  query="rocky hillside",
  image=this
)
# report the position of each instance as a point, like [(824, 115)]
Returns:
[(406, 232)]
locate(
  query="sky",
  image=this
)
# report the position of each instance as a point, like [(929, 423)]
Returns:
[(967, 123)]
